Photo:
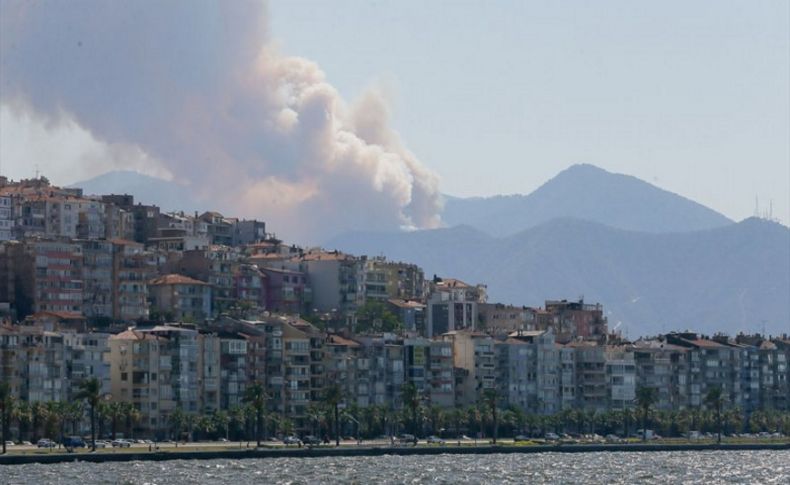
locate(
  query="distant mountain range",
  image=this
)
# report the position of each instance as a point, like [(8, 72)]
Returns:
[(734, 278), (656, 260), (585, 192), (170, 196)]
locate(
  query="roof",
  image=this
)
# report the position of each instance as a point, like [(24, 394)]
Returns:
[(453, 283), (405, 303), (176, 279), (59, 315), (338, 340), (327, 256), (526, 333), (132, 334)]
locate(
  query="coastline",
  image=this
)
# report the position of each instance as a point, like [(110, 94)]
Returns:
[(376, 451)]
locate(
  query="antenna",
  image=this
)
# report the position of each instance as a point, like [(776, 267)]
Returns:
[(37, 171)]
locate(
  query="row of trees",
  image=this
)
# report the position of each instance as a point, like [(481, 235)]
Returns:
[(329, 418)]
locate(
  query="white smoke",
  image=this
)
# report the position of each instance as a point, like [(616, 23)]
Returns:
[(198, 86)]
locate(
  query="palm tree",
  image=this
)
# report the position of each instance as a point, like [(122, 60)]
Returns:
[(90, 390), (256, 397), (411, 399), (24, 417), (332, 397), (645, 398), (5, 410), (490, 397), (314, 415), (177, 421), (38, 412), (115, 411), (221, 423), (715, 399)]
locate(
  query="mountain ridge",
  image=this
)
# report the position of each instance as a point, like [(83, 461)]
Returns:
[(722, 279), (586, 192)]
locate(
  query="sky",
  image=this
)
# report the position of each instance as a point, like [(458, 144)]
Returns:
[(482, 98)]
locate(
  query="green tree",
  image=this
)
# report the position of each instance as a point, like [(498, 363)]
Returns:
[(715, 399), (5, 409), (490, 398), (255, 396), (374, 316), (333, 395), (221, 423), (90, 390), (177, 418), (411, 399), (645, 398)]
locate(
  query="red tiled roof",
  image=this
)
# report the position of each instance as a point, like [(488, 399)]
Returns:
[(175, 279)]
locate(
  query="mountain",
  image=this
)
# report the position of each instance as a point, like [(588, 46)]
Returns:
[(170, 196), (732, 278), (590, 193)]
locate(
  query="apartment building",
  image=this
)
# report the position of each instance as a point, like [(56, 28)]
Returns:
[(453, 305), (179, 298)]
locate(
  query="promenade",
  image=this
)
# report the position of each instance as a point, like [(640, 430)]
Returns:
[(235, 451)]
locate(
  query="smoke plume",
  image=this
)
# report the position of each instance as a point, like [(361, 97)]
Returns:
[(199, 86)]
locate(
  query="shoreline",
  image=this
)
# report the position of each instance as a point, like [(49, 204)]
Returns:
[(375, 451)]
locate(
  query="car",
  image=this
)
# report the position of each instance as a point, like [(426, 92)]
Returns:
[(292, 440), (101, 444), (407, 438), (121, 443), (223, 440), (551, 436), (311, 440), (521, 437), (45, 443), (435, 440), (10, 443), (73, 442)]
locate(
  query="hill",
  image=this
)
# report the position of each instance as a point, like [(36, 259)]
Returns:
[(590, 193), (733, 278), (170, 196)]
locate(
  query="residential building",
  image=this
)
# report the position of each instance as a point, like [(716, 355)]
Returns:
[(179, 298)]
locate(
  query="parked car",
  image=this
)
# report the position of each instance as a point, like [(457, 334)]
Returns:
[(73, 442), (121, 443), (551, 436), (10, 443), (101, 444), (521, 437), (311, 440), (292, 440), (407, 438), (435, 440), (45, 443)]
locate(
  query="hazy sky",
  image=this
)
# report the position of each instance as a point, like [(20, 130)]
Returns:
[(497, 97)]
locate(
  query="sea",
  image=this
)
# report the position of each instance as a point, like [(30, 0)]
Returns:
[(686, 467)]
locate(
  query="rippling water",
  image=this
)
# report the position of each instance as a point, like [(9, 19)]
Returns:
[(708, 467)]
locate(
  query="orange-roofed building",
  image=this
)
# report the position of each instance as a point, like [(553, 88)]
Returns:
[(178, 297)]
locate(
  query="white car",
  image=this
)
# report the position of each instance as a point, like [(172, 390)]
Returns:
[(121, 444)]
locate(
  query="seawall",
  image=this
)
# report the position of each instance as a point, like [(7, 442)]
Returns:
[(372, 451)]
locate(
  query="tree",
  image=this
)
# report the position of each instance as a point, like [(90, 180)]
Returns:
[(256, 397), (715, 399), (374, 316), (411, 399), (221, 423), (177, 421), (332, 397), (645, 398), (90, 390), (490, 397), (5, 410)]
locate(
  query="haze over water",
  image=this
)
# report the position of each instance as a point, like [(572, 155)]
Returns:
[(710, 467)]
